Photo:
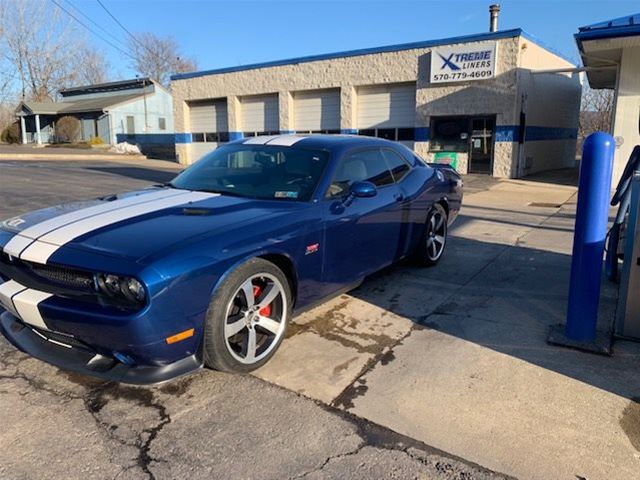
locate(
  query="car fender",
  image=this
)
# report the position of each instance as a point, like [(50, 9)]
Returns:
[(243, 259)]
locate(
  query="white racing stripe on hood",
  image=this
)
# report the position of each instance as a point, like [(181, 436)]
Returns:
[(7, 290), (17, 244), (41, 250), (20, 241)]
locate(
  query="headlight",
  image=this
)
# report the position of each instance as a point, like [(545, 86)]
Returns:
[(127, 289)]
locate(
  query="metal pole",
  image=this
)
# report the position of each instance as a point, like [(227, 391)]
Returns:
[(590, 231)]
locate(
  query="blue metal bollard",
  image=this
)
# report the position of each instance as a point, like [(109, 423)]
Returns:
[(590, 232)]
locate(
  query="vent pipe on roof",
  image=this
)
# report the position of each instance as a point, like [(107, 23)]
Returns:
[(494, 10)]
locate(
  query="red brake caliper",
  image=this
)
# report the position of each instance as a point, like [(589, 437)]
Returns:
[(266, 311)]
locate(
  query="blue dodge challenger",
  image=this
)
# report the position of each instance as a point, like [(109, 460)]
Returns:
[(208, 269)]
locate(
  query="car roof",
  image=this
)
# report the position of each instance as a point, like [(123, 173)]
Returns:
[(329, 142)]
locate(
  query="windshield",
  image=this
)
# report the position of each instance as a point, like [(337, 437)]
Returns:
[(256, 171)]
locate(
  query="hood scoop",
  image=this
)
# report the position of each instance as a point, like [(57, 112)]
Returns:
[(197, 211)]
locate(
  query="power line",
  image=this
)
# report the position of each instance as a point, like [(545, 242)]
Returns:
[(116, 39), (92, 31), (133, 37)]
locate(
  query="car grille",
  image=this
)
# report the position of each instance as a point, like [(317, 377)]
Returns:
[(65, 277), (61, 277)]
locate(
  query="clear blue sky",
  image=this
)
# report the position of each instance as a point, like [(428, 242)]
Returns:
[(229, 33)]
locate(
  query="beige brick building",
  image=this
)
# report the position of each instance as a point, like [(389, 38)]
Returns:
[(485, 102)]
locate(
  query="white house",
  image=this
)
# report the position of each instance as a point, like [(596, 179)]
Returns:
[(138, 111)]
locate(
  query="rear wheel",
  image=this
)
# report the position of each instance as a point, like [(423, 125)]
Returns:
[(434, 238), (247, 317)]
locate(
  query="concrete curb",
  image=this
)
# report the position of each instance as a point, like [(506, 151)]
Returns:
[(67, 157)]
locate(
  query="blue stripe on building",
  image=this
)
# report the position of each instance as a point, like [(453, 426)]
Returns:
[(422, 134), (152, 138), (534, 134), (503, 133), (183, 137), (511, 133), (507, 133)]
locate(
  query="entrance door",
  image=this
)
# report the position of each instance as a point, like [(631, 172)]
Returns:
[(481, 149), (131, 125)]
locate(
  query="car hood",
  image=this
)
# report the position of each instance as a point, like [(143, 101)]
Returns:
[(133, 225)]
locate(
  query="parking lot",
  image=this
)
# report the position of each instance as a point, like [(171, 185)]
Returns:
[(418, 373)]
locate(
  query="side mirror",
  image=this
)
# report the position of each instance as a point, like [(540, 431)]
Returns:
[(363, 190)]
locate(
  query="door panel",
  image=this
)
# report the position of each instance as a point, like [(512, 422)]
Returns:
[(361, 234)]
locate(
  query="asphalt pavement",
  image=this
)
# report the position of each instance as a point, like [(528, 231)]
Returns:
[(57, 425)]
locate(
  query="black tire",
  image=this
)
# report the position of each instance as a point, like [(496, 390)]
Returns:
[(231, 352), (425, 254)]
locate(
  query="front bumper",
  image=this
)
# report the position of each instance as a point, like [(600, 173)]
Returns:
[(83, 360)]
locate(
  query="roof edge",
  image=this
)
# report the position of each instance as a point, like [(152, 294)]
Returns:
[(601, 34), (114, 83), (515, 32)]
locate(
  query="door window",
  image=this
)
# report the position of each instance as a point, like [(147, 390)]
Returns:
[(365, 165), (398, 166)]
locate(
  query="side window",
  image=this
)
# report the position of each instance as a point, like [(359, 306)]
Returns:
[(366, 165), (398, 166)]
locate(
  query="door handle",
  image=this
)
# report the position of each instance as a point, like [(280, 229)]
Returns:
[(398, 197)]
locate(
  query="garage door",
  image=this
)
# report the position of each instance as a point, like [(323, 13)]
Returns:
[(387, 111), (208, 121), (259, 115), (317, 111)]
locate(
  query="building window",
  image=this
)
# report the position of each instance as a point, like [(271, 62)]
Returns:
[(162, 123), (395, 134), (407, 134), (313, 132), (210, 137), (450, 134), (260, 134)]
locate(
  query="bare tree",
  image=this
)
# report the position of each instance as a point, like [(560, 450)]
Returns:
[(45, 49), (159, 57), (596, 112), (91, 67)]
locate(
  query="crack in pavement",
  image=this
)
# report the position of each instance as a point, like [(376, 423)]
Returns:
[(95, 399)]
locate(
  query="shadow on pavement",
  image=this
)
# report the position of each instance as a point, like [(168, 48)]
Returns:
[(506, 305), (157, 176)]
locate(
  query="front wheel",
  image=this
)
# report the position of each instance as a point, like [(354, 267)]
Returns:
[(247, 317), (434, 238)]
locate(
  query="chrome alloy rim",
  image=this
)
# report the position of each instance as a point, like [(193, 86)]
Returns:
[(436, 235), (255, 318)]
